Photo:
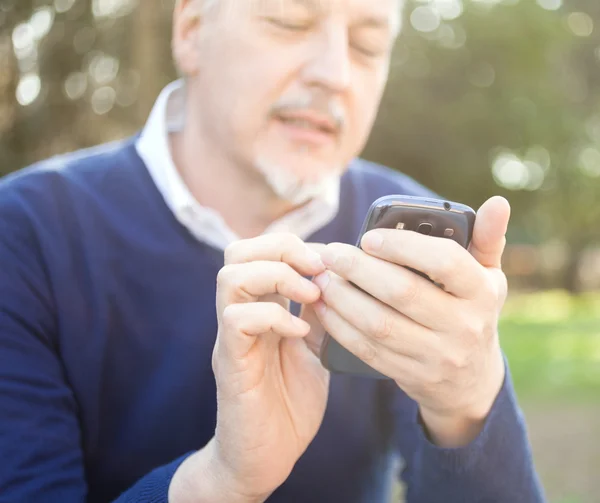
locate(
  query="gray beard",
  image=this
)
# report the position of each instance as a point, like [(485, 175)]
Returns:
[(289, 187)]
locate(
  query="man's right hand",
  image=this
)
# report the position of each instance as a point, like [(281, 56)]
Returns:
[(271, 387)]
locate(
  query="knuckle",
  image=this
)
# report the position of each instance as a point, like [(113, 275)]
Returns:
[(455, 361), (290, 247), (405, 293), (230, 278), (384, 328), (432, 382), (225, 275), (447, 267), (366, 351), (473, 328), (230, 317), (231, 252)]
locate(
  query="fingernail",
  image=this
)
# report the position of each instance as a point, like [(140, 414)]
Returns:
[(372, 241), (322, 280), (329, 257)]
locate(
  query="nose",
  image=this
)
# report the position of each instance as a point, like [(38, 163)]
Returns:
[(329, 62)]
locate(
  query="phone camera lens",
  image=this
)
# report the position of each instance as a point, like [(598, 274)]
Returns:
[(425, 228)]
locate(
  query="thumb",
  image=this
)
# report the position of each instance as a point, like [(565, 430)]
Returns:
[(489, 234)]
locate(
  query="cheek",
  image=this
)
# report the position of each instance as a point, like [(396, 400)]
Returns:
[(250, 89), (362, 114), (239, 105)]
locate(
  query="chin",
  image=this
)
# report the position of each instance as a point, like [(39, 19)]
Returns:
[(297, 182)]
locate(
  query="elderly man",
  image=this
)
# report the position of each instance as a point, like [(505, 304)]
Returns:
[(120, 381)]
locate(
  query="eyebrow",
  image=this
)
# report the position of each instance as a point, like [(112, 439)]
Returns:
[(370, 21), (375, 22), (306, 2), (393, 27), (309, 4)]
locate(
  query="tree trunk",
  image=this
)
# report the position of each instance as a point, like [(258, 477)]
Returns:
[(151, 52), (9, 77)]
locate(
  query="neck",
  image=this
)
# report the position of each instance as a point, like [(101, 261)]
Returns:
[(238, 193)]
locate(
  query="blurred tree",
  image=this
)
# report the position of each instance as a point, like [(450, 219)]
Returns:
[(74, 74), (502, 99), (486, 96)]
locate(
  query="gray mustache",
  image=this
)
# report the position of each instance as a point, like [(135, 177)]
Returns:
[(319, 104)]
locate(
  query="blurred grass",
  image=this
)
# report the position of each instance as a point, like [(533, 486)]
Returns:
[(552, 341)]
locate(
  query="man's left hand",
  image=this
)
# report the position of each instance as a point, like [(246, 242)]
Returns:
[(439, 344)]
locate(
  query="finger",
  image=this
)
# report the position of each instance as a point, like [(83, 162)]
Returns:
[(317, 247), (401, 368), (243, 323), (239, 283), (443, 260), (286, 248), (314, 340), (376, 320), (489, 234), (407, 292)]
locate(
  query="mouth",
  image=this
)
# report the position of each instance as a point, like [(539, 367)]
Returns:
[(309, 127)]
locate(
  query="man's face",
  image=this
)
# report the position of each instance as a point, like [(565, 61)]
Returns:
[(290, 88)]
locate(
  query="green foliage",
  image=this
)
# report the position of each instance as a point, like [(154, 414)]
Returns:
[(503, 84), (512, 77)]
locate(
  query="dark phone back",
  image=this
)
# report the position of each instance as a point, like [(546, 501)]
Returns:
[(434, 217)]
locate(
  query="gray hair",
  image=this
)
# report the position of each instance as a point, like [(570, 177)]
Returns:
[(206, 4)]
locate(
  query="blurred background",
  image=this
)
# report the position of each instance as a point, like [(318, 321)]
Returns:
[(486, 97)]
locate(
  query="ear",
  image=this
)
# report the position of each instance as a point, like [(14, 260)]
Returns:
[(187, 20)]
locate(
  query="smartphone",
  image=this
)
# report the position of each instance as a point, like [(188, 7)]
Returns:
[(432, 217)]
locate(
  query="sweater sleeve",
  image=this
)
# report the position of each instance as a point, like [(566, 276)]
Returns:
[(40, 434), (495, 467), (154, 487)]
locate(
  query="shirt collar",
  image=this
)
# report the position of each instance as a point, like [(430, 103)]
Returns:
[(204, 223)]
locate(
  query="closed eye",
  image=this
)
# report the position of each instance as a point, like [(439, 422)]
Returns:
[(288, 26), (366, 52), (369, 53)]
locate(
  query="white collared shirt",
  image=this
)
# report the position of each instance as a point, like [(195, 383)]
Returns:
[(204, 223)]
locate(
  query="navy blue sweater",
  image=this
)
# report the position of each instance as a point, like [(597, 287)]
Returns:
[(107, 324)]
